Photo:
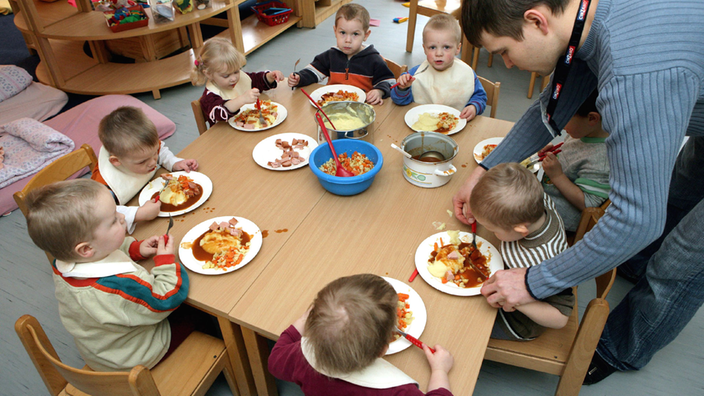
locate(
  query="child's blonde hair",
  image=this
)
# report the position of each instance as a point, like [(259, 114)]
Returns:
[(353, 11), (351, 322), (444, 22), (126, 130), (60, 216), (508, 195), (217, 55)]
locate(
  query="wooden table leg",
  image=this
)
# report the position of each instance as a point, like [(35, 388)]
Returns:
[(258, 352), (232, 335)]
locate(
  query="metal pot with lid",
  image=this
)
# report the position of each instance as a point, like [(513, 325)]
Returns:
[(430, 164)]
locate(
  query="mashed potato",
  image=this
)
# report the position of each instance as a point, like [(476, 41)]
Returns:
[(427, 122)]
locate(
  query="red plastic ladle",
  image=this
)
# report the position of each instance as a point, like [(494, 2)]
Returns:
[(340, 172)]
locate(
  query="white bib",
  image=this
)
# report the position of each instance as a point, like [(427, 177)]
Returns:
[(451, 87), (243, 85), (379, 375), (116, 263), (122, 182)]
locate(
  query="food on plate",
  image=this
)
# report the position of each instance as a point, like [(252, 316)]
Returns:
[(221, 247), (485, 151), (441, 122), (404, 315), (339, 96), (290, 156), (451, 262), (345, 121), (356, 163), (249, 119), (178, 193)]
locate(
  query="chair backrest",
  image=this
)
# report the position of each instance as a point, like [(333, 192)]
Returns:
[(590, 216), (395, 68), (492, 94), (57, 376), (200, 118), (61, 169)]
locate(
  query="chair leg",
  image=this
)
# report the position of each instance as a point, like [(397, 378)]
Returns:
[(475, 58), (491, 60), (531, 86), (412, 17), (583, 348)]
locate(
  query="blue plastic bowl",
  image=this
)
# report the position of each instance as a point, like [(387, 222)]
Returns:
[(345, 185)]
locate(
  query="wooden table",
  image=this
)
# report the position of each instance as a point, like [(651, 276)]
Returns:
[(327, 237), (375, 232)]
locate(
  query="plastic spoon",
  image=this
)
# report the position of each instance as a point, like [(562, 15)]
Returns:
[(412, 339), (340, 172), (400, 150)]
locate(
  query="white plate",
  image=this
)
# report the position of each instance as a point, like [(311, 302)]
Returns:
[(266, 150), (186, 255), (413, 114), (480, 147), (157, 184), (423, 253), (420, 315), (318, 93), (281, 114)]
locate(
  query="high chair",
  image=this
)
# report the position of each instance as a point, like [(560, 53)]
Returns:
[(190, 370), (492, 94), (61, 169), (469, 54), (566, 352), (198, 114), (395, 68)]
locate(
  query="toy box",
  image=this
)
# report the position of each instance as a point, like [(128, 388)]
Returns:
[(272, 12), (126, 18)]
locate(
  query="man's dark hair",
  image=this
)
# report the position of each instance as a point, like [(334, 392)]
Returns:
[(500, 17)]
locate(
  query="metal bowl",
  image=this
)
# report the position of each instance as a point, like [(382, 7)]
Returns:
[(347, 111)]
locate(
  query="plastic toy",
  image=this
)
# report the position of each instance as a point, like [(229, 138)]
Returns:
[(400, 20)]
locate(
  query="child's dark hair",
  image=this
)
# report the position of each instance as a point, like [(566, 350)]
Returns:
[(351, 322), (589, 105)]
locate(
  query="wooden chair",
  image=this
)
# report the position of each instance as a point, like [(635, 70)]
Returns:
[(395, 68), (189, 370), (198, 114), (533, 77), (492, 94), (470, 54), (61, 169), (566, 352)]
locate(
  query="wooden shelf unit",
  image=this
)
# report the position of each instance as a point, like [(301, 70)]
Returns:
[(313, 12), (57, 32)]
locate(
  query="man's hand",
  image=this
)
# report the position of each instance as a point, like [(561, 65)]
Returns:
[(186, 165), (374, 97), (461, 199), (507, 289), (468, 113)]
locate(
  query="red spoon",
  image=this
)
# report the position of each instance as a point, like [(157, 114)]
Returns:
[(340, 172), (319, 108)]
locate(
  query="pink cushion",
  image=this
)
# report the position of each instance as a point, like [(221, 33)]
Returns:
[(81, 125)]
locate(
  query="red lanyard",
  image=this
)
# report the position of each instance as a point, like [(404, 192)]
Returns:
[(565, 63)]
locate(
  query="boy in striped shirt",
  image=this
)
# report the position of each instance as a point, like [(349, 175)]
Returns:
[(509, 201)]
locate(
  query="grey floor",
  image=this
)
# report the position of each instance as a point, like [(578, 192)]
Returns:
[(25, 277)]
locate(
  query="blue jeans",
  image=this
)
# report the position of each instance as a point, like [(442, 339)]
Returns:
[(669, 273)]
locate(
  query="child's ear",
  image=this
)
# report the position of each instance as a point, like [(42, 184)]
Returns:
[(114, 161), (386, 348), (84, 250), (366, 35), (593, 118), (521, 229)]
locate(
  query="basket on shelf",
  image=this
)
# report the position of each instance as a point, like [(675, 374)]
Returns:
[(113, 18), (272, 12)]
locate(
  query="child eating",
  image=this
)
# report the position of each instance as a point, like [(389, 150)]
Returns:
[(509, 201), (226, 89), (442, 79), (336, 347), (350, 62), (114, 308), (128, 160)]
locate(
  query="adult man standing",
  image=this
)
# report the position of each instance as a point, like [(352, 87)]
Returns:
[(647, 61)]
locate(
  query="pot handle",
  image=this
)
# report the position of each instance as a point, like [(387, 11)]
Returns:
[(448, 172)]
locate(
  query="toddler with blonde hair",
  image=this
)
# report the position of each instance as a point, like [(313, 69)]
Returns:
[(336, 348), (226, 88)]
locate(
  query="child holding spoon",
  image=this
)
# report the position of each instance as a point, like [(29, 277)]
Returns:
[(435, 81)]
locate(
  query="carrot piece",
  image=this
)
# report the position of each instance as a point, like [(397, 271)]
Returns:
[(403, 296), (239, 260), (444, 280)]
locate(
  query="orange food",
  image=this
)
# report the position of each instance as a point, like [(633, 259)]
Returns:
[(339, 96)]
